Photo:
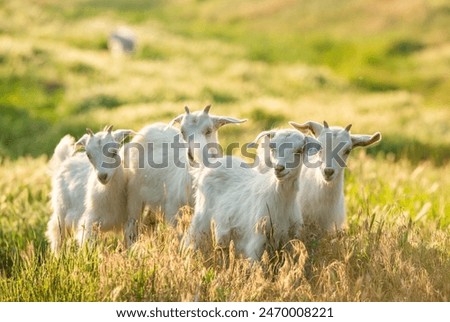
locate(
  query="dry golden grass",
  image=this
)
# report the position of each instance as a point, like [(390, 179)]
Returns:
[(367, 266), (395, 248), (255, 60)]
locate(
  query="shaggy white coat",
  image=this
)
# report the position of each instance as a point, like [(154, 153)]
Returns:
[(86, 195), (321, 196), (166, 189), (251, 208), (69, 178)]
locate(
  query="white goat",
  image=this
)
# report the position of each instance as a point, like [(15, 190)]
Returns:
[(249, 207), (85, 196), (199, 130), (321, 196), (159, 177), (69, 178), (122, 41)]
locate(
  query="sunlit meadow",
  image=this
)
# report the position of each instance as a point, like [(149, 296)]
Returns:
[(380, 65)]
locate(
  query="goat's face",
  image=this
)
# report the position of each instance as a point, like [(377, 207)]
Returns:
[(199, 130), (102, 150), (287, 149), (337, 143)]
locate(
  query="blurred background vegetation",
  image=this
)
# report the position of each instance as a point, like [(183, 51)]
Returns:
[(381, 65)]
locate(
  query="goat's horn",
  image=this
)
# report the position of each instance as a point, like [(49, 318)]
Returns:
[(186, 109), (206, 109), (348, 128), (89, 131), (109, 128), (325, 124)]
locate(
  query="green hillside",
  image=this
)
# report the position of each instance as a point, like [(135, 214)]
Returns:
[(380, 65)]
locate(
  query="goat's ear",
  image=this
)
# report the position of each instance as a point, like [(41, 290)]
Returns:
[(365, 140), (178, 120), (220, 121), (314, 127), (81, 143), (121, 135), (269, 134)]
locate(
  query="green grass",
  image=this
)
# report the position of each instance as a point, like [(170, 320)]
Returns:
[(380, 66), (396, 248), (55, 73)]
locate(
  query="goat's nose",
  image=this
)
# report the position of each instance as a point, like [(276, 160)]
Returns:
[(279, 168), (328, 172), (102, 177)]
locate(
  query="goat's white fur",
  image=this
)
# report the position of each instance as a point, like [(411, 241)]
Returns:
[(167, 188), (86, 192), (69, 177), (164, 188), (321, 195), (201, 128), (249, 207)]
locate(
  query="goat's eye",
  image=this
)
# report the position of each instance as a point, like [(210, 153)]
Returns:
[(208, 132), (299, 151)]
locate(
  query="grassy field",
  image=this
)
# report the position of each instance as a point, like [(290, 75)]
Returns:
[(381, 65)]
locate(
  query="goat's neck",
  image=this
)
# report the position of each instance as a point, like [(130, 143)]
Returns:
[(281, 193), (119, 176), (287, 188), (333, 189), (115, 187)]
